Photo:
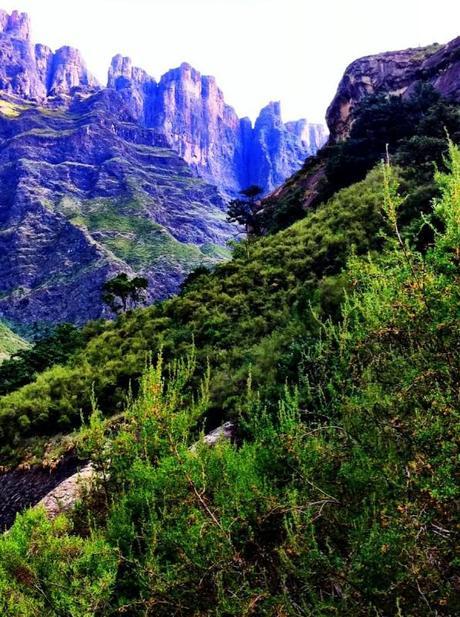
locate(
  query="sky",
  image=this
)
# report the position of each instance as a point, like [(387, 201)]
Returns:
[(294, 51)]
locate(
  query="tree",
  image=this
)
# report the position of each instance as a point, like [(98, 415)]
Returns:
[(121, 293), (244, 211)]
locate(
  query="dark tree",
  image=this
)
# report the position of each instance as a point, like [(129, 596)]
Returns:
[(244, 211), (121, 292)]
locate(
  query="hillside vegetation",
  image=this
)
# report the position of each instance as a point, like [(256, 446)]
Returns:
[(339, 497), (10, 342), (249, 314)]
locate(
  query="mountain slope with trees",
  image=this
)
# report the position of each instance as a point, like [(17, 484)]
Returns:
[(341, 499)]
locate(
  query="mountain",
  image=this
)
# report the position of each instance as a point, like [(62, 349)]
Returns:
[(394, 73), (190, 111), (131, 178), (330, 346), (88, 193)]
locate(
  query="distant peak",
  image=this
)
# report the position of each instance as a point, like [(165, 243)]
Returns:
[(122, 72), (17, 24)]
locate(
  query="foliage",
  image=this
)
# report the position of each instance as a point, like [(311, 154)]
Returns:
[(48, 571), (244, 211), (54, 348), (412, 130), (341, 500), (9, 342), (121, 292)]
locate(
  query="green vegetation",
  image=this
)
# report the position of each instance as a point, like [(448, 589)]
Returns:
[(26, 361), (340, 498), (122, 292), (124, 228), (10, 343), (244, 211)]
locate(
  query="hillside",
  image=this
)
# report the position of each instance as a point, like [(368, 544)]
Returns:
[(333, 500), (331, 344), (130, 178), (404, 100), (9, 342)]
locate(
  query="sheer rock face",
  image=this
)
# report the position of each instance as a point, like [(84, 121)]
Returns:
[(34, 71), (395, 73), (129, 178), (189, 109), (278, 149), (69, 71)]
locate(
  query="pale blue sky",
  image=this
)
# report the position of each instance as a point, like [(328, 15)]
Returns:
[(259, 50)]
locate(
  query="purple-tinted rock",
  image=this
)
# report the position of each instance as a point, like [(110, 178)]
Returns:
[(17, 25), (189, 109), (279, 149), (394, 73), (69, 71)]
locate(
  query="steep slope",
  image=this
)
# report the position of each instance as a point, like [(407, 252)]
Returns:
[(87, 193), (398, 78), (96, 181), (9, 342), (34, 71), (394, 73)]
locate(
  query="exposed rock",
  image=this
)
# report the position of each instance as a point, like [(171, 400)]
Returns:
[(189, 109), (18, 70), (23, 488), (395, 73), (86, 193), (137, 88), (33, 71), (69, 71), (57, 490), (97, 181), (279, 149), (66, 494), (17, 25), (191, 112)]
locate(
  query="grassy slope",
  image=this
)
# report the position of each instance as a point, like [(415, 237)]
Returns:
[(9, 342), (345, 503)]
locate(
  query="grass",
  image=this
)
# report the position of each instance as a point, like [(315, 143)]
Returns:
[(9, 342)]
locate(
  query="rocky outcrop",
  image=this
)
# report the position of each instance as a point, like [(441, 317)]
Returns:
[(24, 487), (189, 109), (69, 71), (185, 107), (394, 73), (58, 488), (16, 25), (34, 71), (278, 149), (85, 193)]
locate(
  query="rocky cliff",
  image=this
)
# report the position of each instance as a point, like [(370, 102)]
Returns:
[(395, 73), (189, 109), (34, 71), (86, 193), (276, 149)]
